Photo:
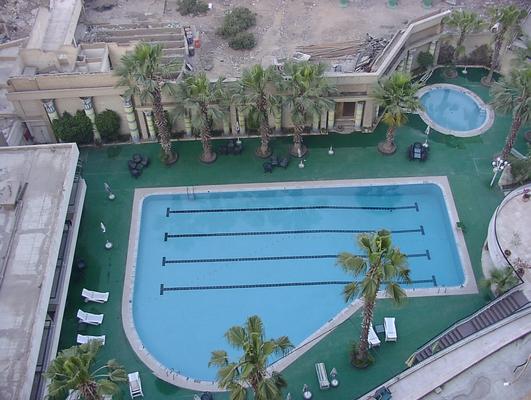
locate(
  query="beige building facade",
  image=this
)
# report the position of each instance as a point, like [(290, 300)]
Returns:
[(55, 74)]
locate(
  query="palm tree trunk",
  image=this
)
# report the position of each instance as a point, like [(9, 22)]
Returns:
[(494, 61), (368, 311), (263, 151), (162, 125), (298, 149), (208, 155), (458, 45), (509, 142)]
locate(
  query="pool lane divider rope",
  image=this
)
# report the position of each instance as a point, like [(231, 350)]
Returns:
[(165, 261), (272, 285), (292, 232), (288, 208)]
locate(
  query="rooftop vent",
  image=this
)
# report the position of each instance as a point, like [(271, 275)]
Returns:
[(9, 191)]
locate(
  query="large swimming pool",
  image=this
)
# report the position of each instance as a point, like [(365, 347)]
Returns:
[(206, 261)]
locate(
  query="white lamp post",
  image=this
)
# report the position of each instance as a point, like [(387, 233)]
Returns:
[(497, 166), (110, 194), (108, 245)]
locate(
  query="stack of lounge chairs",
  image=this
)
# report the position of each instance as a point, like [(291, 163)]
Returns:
[(390, 330), (374, 340), (87, 318)]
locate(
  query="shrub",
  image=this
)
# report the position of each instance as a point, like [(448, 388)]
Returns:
[(521, 169), (194, 7), (425, 59), (73, 128), (359, 363), (236, 21), (446, 54), (242, 40), (480, 56), (108, 124)]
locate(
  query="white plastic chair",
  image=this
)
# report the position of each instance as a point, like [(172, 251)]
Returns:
[(135, 385), (374, 340), (97, 297), (84, 339), (322, 376), (390, 329), (89, 318)]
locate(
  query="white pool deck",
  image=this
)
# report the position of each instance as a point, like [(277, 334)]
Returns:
[(489, 120), (173, 377)]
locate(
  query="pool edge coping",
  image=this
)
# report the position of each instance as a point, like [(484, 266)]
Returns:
[(489, 120), (175, 378)]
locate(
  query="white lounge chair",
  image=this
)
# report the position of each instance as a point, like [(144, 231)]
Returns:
[(374, 340), (390, 330), (89, 318), (97, 297), (135, 385), (84, 339), (322, 376)]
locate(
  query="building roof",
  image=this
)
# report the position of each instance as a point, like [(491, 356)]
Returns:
[(39, 179)]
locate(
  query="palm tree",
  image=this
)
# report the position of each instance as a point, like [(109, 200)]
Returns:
[(512, 94), (502, 279), (197, 95), (72, 369), (306, 88), (250, 370), (397, 96), (146, 76), (465, 22), (383, 264), (255, 93), (505, 21)]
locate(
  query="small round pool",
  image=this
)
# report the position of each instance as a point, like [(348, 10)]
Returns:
[(454, 110)]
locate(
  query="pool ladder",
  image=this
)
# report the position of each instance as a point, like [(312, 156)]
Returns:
[(190, 193)]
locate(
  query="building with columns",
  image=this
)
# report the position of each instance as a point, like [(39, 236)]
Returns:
[(55, 73)]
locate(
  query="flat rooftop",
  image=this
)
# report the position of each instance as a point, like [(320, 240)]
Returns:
[(40, 178)]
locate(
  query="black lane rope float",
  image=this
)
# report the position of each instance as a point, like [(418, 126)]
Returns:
[(288, 208), (273, 285), (165, 261), (291, 232)]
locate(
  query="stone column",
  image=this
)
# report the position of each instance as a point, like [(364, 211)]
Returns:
[(89, 112), (49, 106), (150, 124), (431, 49), (331, 116), (187, 123), (226, 122), (323, 120), (358, 114), (241, 122), (131, 118), (409, 62), (315, 123)]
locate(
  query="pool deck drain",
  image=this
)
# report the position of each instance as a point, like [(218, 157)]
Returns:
[(162, 372)]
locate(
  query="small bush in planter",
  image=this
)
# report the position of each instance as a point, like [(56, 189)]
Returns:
[(108, 125), (193, 7), (480, 56), (359, 363), (73, 128), (446, 54), (242, 41), (237, 20), (425, 59)]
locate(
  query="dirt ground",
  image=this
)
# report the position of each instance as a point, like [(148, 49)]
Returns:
[(282, 25)]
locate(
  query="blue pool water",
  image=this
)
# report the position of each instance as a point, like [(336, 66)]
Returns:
[(206, 264), (453, 109)]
